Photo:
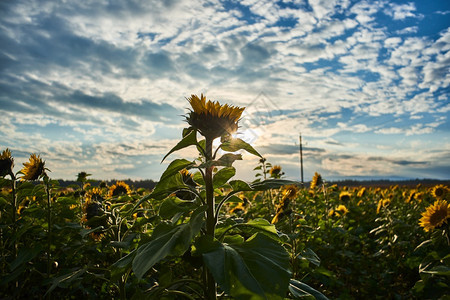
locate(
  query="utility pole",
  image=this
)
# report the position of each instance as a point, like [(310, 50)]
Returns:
[(301, 158)]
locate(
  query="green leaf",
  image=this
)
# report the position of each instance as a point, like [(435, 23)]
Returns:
[(240, 186), (311, 256), (255, 269), (236, 144), (222, 176), (228, 159), (173, 205), (25, 255), (168, 186), (122, 265), (66, 279), (167, 240), (188, 140), (301, 290), (271, 184)]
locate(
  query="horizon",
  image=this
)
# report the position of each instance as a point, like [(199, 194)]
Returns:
[(102, 88)]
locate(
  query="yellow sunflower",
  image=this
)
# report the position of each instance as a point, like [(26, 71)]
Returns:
[(361, 192), (341, 210), (95, 195), (316, 181), (344, 196), (6, 163), (383, 203), (33, 169), (212, 119), (439, 191), (435, 215), (118, 189), (290, 191), (275, 172)]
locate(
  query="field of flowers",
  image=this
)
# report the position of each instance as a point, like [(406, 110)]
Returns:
[(203, 234)]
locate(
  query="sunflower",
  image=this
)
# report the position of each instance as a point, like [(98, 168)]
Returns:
[(411, 196), (240, 208), (33, 169), (290, 191), (435, 215), (95, 195), (212, 119), (361, 192), (93, 209), (275, 172), (439, 191), (282, 209), (344, 196), (118, 189), (316, 181), (341, 210), (383, 203), (6, 163)]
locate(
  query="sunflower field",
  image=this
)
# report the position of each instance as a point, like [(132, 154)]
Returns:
[(201, 233)]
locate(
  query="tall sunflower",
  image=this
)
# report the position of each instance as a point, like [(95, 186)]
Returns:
[(34, 168), (435, 215), (212, 119), (290, 191), (118, 189), (6, 163), (275, 171)]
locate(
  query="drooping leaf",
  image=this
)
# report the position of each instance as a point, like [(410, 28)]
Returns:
[(271, 184), (222, 176), (301, 290), (188, 140), (236, 144), (66, 279), (311, 256), (255, 269), (240, 186), (168, 186), (120, 266), (167, 240)]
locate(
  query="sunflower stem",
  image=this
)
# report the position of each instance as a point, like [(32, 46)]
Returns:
[(210, 215), (49, 224)]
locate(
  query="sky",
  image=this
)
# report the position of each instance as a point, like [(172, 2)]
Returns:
[(101, 86)]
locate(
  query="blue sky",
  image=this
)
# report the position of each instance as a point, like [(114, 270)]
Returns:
[(101, 86)]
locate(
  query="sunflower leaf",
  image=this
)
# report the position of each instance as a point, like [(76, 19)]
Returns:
[(236, 144), (301, 290), (254, 269), (188, 140)]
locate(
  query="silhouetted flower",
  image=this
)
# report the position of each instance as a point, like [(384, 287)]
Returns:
[(33, 169)]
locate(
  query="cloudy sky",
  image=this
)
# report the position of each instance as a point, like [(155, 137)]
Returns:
[(101, 86)]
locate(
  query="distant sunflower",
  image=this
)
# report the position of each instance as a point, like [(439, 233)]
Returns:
[(118, 189), (33, 169), (316, 181), (383, 203), (275, 171), (361, 192), (6, 163), (435, 215), (345, 196), (439, 191), (290, 191), (411, 196), (212, 119), (90, 210), (240, 208), (341, 210), (95, 195)]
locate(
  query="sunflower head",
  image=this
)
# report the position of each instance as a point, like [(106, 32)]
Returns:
[(439, 191), (95, 195), (341, 210), (275, 172), (6, 163), (118, 189), (361, 192), (435, 215), (92, 209), (212, 119), (34, 168), (316, 181), (290, 192), (345, 196)]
